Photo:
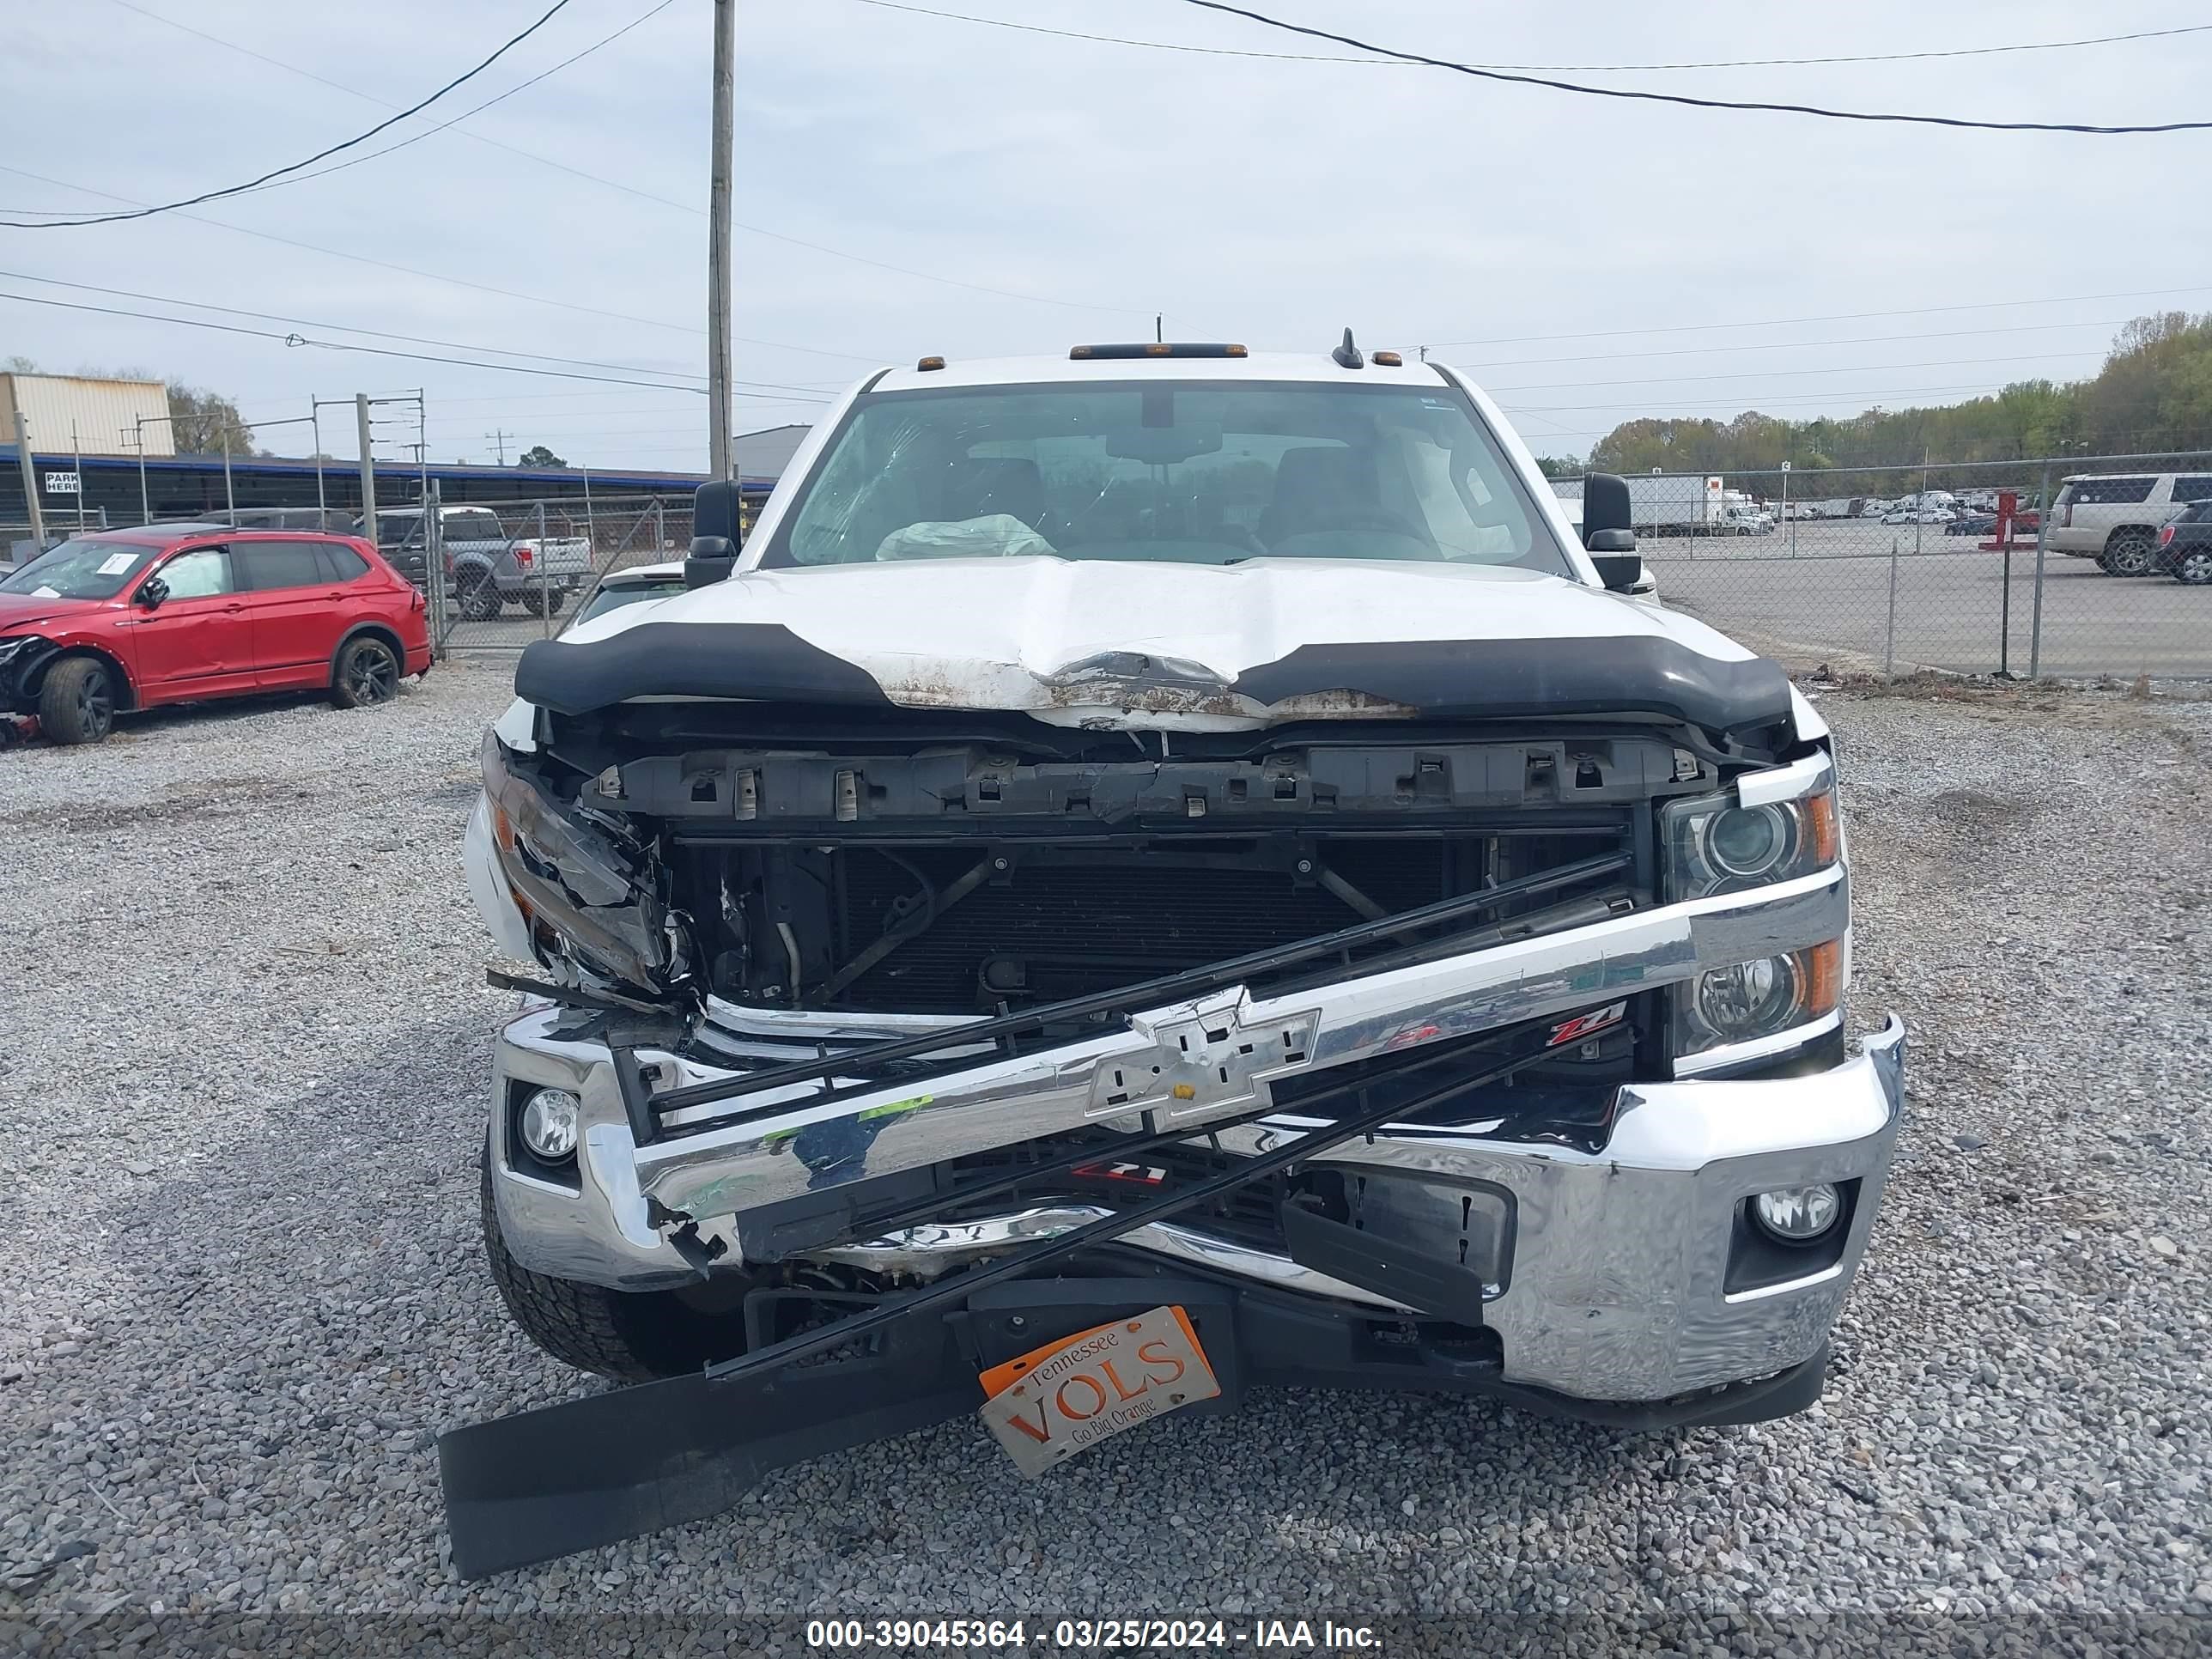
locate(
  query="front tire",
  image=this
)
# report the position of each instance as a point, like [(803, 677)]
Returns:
[(367, 673), (76, 702), (2129, 553), (480, 600), (630, 1336)]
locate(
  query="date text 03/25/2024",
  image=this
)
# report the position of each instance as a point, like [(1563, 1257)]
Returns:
[(1090, 1635)]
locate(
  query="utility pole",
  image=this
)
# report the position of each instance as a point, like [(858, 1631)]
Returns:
[(30, 483), (718, 243), (367, 467), (501, 438), (77, 465), (145, 507)]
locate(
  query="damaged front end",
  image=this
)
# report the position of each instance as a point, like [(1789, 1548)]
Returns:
[(1454, 1056)]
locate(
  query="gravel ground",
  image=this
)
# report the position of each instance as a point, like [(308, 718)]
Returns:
[(242, 1292)]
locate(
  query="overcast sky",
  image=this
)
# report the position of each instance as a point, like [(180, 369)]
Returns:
[(1246, 197)]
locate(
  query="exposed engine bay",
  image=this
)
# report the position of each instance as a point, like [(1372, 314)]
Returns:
[(921, 866)]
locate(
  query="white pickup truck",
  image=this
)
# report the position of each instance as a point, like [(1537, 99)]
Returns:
[(1152, 872), (486, 567)]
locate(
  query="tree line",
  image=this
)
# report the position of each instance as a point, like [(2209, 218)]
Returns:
[(2153, 393)]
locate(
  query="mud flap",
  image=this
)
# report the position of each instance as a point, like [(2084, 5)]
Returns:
[(546, 1483)]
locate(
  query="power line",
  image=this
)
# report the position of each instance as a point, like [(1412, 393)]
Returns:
[(385, 265), (345, 328), (381, 334), (416, 138), (1831, 317), (294, 166), (341, 345), (665, 201), (1537, 69), (459, 282), (1633, 94)]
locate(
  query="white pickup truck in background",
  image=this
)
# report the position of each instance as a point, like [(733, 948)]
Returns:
[(487, 567)]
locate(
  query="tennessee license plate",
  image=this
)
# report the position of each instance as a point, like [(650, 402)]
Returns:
[(1066, 1397)]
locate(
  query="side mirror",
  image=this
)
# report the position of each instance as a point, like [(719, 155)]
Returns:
[(716, 533), (1620, 572), (1606, 510), (1610, 531), (150, 593)]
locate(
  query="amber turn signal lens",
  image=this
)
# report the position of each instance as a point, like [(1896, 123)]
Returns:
[(1820, 978), (1821, 830)]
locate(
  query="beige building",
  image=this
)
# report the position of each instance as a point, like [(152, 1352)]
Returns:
[(94, 417)]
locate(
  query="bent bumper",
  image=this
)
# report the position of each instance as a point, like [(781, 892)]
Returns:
[(1631, 1271)]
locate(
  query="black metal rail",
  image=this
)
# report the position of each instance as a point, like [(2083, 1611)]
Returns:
[(1002, 1030)]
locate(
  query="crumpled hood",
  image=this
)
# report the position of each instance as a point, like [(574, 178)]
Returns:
[(1161, 646)]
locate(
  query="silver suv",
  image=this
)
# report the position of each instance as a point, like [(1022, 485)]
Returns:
[(2114, 517)]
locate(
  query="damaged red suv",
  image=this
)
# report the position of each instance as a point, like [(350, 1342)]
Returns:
[(126, 619)]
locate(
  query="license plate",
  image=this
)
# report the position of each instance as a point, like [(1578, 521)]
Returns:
[(1066, 1397)]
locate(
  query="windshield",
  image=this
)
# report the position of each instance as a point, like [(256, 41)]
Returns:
[(83, 568), (1191, 473), (613, 598)]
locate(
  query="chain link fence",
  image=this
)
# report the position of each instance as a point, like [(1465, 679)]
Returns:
[(518, 571), (2071, 567), (2051, 566)]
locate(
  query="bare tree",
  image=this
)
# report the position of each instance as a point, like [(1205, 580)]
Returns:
[(200, 420)]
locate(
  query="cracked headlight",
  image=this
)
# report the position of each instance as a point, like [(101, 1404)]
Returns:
[(575, 877), (1721, 843)]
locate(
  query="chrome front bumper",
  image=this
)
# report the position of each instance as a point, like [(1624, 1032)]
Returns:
[(1620, 1263)]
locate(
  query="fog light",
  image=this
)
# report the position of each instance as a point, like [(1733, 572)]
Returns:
[(548, 1124), (1798, 1215)]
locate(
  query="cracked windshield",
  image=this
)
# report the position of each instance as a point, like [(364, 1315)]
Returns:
[(1172, 473)]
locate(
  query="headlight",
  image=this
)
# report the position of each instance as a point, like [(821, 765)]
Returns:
[(1715, 845), (1750, 1001), (571, 873), (1721, 843)]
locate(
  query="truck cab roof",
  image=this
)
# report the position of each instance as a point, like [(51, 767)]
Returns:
[(1255, 366)]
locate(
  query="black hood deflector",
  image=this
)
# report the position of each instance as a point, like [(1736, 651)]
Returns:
[(763, 662), (1458, 679), (1491, 679)]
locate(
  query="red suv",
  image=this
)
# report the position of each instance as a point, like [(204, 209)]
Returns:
[(179, 613)]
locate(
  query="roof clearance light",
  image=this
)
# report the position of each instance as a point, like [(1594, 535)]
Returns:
[(929, 363), (1387, 359), (1157, 349)]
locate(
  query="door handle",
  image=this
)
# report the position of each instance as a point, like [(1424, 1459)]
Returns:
[(232, 609)]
